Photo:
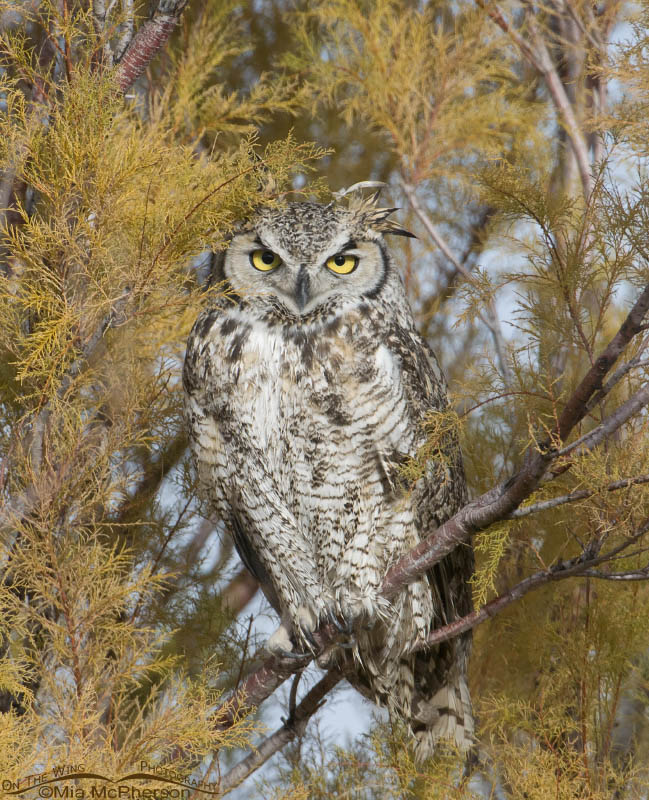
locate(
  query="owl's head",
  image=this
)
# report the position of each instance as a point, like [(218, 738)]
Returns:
[(307, 255)]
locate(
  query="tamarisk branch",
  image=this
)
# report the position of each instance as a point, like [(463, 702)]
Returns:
[(148, 41)]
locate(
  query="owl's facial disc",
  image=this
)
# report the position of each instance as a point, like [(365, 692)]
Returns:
[(257, 263)]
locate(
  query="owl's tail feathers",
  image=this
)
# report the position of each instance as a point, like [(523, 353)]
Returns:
[(445, 716)]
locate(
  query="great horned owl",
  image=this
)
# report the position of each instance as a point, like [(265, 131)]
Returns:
[(307, 386)]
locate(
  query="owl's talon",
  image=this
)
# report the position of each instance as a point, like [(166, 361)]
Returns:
[(306, 633), (296, 656), (342, 624)]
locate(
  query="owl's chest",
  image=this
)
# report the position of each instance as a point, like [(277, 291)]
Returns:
[(311, 398), (292, 385)]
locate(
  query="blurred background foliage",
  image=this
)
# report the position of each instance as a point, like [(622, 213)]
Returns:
[(514, 139)]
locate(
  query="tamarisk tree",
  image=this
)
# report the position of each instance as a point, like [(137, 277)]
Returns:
[(514, 137)]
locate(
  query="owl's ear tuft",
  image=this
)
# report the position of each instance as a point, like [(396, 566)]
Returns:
[(366, 211), (377, 218), (357, 187)]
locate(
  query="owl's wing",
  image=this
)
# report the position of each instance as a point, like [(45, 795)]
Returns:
[(441, 705), (252, 562), (441, 491), (234, 475)]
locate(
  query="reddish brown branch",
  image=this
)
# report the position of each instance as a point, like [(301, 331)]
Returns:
[(575, 408), (254, 689), (149, 40)]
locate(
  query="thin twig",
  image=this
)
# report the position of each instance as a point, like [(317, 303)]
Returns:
[(292, 728), (99, 15), (538, 56), (635, 363), (595, 437), (632, 575), (127, 28), (490, 320), (246, 644), (581, 494), (292, 695), (576, 567)]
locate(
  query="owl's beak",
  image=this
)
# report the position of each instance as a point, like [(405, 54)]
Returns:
[(302, 288)]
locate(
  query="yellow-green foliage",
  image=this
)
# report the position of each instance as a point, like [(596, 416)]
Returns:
[(441, 429), (430, 80), (195, 103), (80, 641), (121, 210), (379, 768)]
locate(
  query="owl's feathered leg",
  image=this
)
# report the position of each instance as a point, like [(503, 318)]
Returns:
[(281, 641), (356, 584), (289, 569)]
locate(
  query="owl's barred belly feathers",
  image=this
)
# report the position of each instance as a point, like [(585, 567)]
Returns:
[(300, 421), (322, 435)]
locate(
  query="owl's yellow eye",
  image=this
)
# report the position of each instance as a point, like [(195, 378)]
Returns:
[(264, 260), (342, 264)]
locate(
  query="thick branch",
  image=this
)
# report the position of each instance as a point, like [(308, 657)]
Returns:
[(293, 727), (259, 685), (99, 15), (148, 41), (127, 28), (564, 107)]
